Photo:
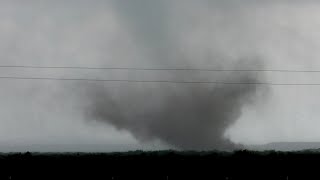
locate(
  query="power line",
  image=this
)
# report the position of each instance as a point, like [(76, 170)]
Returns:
[(159, 81), (162, 69)]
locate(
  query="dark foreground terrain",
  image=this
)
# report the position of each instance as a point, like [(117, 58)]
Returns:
[(162, 165)]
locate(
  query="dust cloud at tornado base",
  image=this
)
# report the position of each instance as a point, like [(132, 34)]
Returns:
[(192, 117)]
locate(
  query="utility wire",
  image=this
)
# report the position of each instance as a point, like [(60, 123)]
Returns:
[(159, 81), (163, 69)]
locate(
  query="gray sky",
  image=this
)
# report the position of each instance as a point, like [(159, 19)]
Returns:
[(153, 33)]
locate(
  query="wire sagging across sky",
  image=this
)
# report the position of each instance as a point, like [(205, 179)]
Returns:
[(160, 69), (159, 81)]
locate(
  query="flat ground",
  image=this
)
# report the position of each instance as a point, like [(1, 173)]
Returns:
[(161, 165)]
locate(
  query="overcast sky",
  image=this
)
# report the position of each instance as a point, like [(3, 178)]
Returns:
[(207, 34)]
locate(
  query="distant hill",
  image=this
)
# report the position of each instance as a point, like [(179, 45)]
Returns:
[(286, 146)]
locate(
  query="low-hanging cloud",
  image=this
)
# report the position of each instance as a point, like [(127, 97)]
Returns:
[(186, 116)]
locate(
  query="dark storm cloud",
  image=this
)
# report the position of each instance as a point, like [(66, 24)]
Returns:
[(187, 116)]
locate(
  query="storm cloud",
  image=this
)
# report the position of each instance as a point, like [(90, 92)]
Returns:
[(186, 116), (183, 34), (192, 117)]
